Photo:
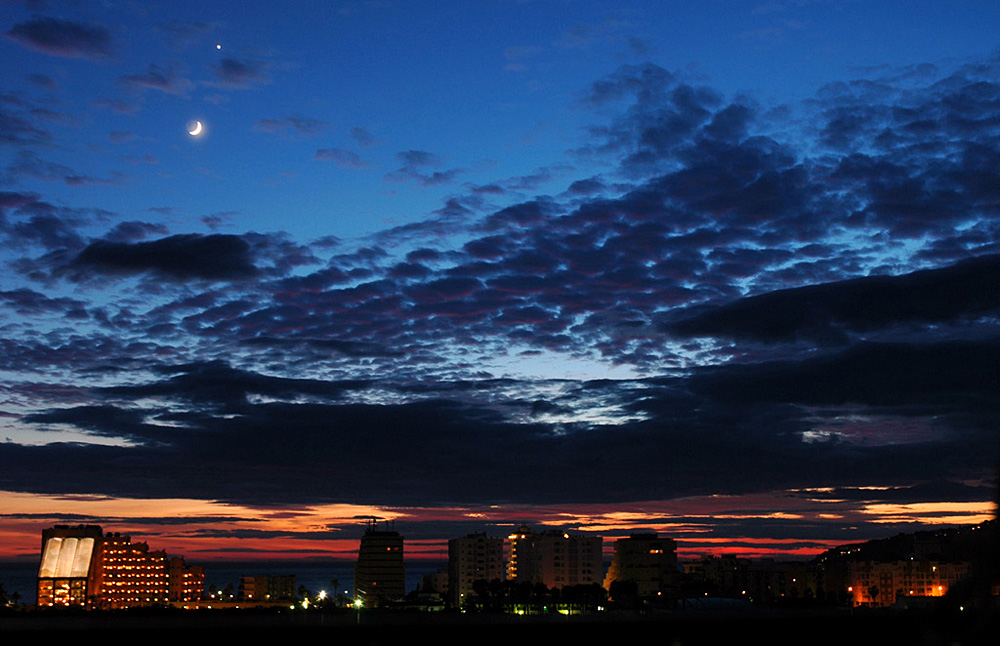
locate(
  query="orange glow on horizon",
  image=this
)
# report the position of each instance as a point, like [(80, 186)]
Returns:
[(213, 531), (207, 530), (932, 513)]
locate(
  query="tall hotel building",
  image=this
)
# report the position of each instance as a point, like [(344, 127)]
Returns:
[(131, 575), (379, 574), (472, 558), (554, 558), (83, 567)]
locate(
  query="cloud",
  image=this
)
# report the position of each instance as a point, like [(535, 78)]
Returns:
[(121, 136), (119, 106), (919, 379), (463, 452), (300, 125), (215, 221), (807, 302), (587, 186), (647, 82), (418, 158), (28, 163), (179, 257), (107, 421), (664, 117), (970, 288), (181, 34), (363, 138), (584, 35), (341, 157), (63, 38), (47, 226), (135, 230), (517, 57), (241, 74), (218, 384), (158, 78), (18, 127), (42, 80), (415, 167), (27, 301)]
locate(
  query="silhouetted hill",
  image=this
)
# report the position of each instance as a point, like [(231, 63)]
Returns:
[(964, 543)]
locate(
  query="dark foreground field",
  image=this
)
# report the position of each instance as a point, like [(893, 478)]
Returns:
[(842, 628)]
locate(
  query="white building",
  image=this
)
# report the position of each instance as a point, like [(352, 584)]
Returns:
[(555, 558), (470, 559)]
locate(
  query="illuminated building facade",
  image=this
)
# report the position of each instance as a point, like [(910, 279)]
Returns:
[(187, 582), (647, 560), (877, 584), (83, 567), (379, 574), (554, 558), (472, 558), (130, 574), (67, 572)]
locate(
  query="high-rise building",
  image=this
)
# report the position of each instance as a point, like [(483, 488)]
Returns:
[(472, 558), (379, 574), (648, 561), (82, 566), (554, 558)]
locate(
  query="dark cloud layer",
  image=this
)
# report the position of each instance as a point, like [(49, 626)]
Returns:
[(970, 288), (180, 257), (732, 429)]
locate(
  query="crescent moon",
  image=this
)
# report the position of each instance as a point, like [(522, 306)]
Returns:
[(194, 132)]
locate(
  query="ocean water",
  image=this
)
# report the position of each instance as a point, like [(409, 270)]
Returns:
[(21, 577)]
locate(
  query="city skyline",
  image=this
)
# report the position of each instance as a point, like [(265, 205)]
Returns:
[(79, 561), (726, 272)]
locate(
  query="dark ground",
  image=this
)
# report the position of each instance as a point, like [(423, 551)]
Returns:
[(842, 628)]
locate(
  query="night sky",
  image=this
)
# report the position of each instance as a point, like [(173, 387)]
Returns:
[(729, 271)]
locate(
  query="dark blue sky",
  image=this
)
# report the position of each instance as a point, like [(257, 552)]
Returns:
[(726, 270)]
